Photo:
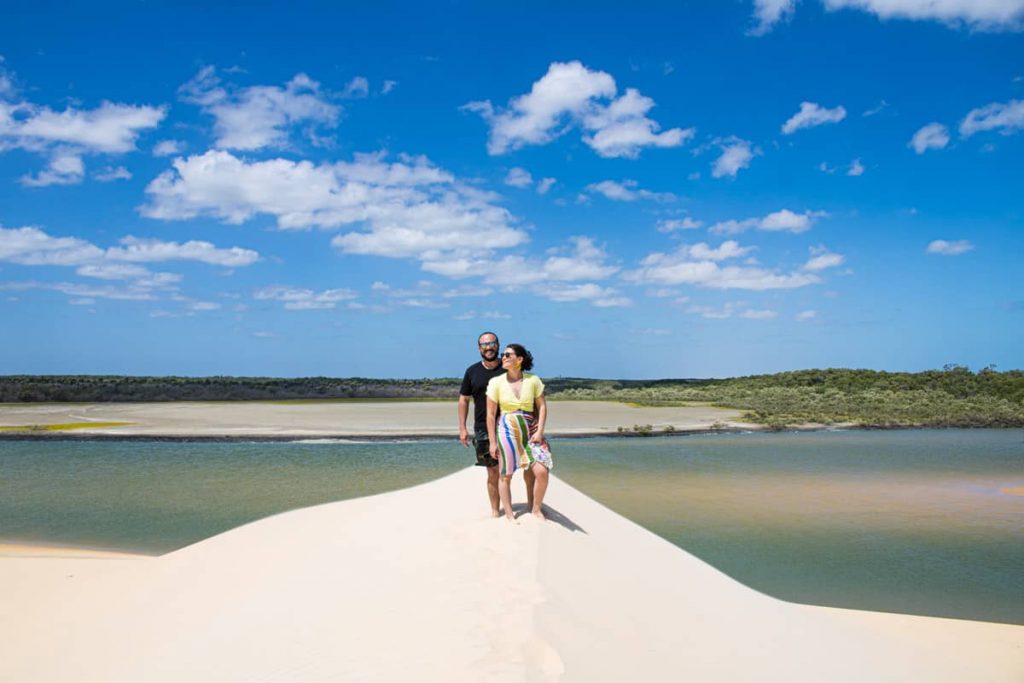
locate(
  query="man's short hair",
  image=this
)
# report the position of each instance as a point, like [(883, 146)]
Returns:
[(484, 334)]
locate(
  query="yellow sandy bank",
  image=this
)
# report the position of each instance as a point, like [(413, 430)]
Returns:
[(342, 418), (421, 585)]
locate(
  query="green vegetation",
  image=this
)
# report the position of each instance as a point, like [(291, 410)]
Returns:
[(952, 397), (67, 426)]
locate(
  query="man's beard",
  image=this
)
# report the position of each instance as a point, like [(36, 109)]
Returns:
[(492, 357)]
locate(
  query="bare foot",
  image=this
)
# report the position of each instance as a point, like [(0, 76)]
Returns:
[(540, 515), (495, 513)]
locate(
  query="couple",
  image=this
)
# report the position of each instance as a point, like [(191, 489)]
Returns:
[(510, 412)]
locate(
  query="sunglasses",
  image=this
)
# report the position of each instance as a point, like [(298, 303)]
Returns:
[(508, 354), (488, 345)]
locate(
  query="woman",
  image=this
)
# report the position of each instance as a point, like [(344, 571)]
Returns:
[(517, 440)]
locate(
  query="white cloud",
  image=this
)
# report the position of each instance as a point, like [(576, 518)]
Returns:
[(66, 168), (947, 248), (673, 224), (358, 87), (876, 109), (167, 148), (825, 168), (932, 136), (762, 314), (259, 116), (1005, 117), (767, 13), (569, 95), (203, 306), (736, 155), (698, 265), (110, 128), (112, 173), (810, 115), (65, 136), (783, 220), (113, 271), (545, 184), (298, 299), (627, 191), (822, 258), (804, 316), (982, 15), (33, 247), (388, 87), (856, 168), (406, 209), (134, 249), (518, 177)]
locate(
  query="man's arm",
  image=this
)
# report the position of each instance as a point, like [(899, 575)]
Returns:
[(463, 414)]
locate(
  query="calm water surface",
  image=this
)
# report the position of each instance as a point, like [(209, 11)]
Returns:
[(924, 522)]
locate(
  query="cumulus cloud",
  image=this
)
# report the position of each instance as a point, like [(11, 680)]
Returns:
[(300, 299), (979, 15), (627, 191), (856, 168), (767, 13), (673, 224), (736, 155), (545, 184), (571, 95), (810, 115), (66, 168), (112, 173), (358, 87), (701, 265), (561, 276), (932, 136), (167, 148), (518, 177), (783, 220), (31, 246), (762, 314), (822, 258), (259, 116), (64, 137), (1006, 117), (404, 209), (388, 87), (949, 248)]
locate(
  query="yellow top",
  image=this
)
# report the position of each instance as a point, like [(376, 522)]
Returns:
[(499, 391)]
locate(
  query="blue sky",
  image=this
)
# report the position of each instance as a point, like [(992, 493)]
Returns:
[(724, 188)]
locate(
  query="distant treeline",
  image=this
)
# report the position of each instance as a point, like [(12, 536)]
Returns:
[(953, 396)]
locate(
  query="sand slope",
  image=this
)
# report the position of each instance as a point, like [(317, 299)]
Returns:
[(419, 584)]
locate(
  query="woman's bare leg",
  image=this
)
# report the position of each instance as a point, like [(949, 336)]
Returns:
[(529, 480), (540, 487), (505, 493)]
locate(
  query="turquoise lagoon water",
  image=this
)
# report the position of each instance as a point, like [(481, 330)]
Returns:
[(924, 521)]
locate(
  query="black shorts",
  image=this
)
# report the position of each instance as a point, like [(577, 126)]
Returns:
[(483, 451)]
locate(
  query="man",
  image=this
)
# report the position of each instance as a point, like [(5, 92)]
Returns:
[(474, 385)]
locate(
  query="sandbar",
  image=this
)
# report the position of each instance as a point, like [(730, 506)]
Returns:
[(422, 584), (344, 419)]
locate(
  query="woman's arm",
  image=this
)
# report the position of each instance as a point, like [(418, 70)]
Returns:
[(492, 413), (542, 417)]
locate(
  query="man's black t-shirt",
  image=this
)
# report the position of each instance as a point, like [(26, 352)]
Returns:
[(474, 383)]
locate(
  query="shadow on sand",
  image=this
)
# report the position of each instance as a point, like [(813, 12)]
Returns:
[(553, 515)]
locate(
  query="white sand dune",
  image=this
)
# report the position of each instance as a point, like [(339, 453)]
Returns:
[(421, 585)]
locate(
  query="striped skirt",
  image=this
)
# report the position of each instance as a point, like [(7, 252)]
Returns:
[(514, 448)]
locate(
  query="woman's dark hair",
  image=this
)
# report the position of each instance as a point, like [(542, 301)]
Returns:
[(524, 354)]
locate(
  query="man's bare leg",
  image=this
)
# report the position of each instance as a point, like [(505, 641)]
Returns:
[(529, 478), (492, 490), (540, 475)]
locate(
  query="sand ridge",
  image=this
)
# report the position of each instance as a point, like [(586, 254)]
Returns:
[(422, 583)]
